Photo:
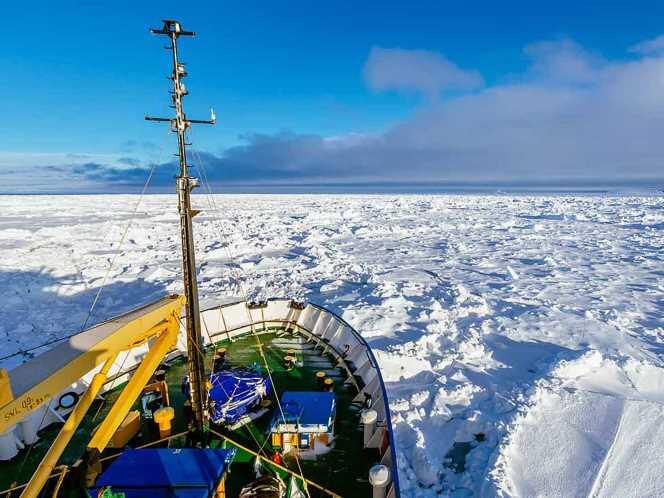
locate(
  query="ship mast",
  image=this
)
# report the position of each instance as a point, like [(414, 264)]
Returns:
[(185, 184)]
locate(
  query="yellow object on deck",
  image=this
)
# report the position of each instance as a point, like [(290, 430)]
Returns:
[(221, 488), (163, 417), (135, 386), (320, 378), (161, 387), (290, 440), (127, 430)]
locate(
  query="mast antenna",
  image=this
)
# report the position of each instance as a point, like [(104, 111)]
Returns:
[(185, 184)]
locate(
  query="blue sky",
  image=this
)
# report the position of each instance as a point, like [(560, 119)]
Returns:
[(317, 92)]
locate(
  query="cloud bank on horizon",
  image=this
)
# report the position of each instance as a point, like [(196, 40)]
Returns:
[(571, 115)]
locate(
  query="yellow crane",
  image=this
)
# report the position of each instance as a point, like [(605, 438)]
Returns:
[(34, 383)]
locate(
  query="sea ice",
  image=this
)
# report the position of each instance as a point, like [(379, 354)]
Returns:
[(520, 337)]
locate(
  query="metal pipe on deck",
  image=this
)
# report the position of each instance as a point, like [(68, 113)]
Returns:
[(379, 477), (368, 418)]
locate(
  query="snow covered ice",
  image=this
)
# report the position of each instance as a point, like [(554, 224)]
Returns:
[(520, 338)]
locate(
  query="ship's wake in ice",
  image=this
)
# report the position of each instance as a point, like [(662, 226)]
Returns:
[(520, 338)]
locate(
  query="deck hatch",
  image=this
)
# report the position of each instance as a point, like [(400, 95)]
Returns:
[(166, 473), (306, 411)]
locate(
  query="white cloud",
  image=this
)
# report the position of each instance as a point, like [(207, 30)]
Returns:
[(55, 171), (571, 115), (10, 159), (422, 71), (564, 61), (649, 47)]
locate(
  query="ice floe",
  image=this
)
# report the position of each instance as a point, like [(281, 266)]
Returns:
[(520, 337)]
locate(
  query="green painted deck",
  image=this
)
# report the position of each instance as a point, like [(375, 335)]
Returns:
[(343, 470)]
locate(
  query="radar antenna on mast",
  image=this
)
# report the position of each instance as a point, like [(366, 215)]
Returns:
[(185, 184)]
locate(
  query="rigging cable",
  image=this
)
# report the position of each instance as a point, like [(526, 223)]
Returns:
[(108, 270), (94, 302), (259, 344), (202, 353)]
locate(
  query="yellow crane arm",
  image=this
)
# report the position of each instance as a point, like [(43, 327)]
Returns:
[(58, 446), (36, 382)]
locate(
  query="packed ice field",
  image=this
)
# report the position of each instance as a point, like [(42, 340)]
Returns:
[(521, 338)]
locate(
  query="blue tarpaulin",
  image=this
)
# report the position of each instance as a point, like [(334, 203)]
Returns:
[(236, 392), (165, 472), (307, 408)]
